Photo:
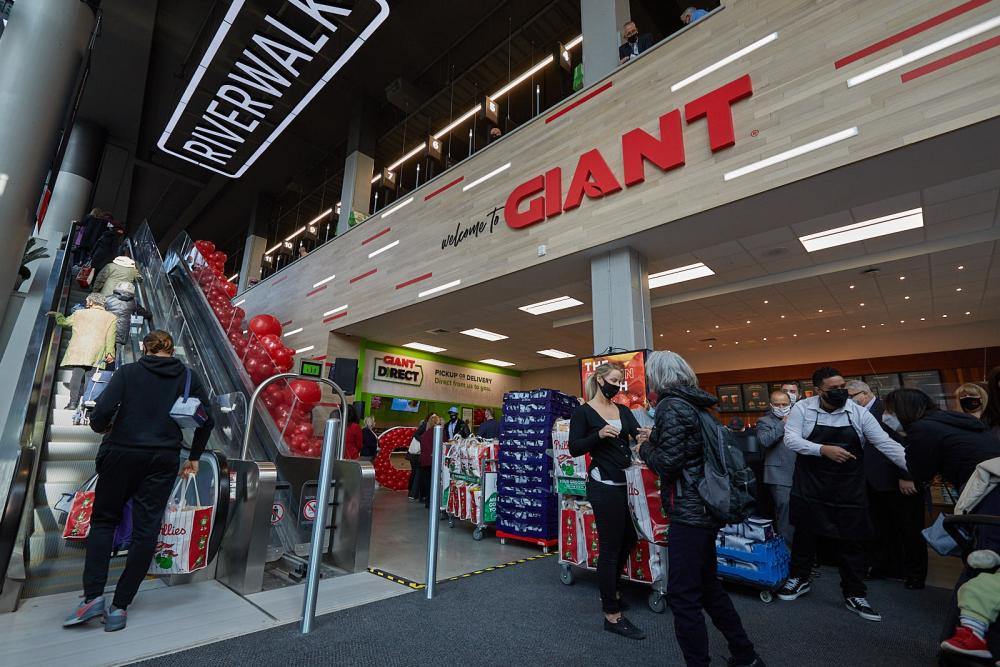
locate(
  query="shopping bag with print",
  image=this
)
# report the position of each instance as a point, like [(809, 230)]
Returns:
[(182, 546), (85, 276), (645, 503), (80, 511)]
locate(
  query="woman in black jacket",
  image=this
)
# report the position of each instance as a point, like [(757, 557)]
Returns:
[(138, 460), (676, 451), (603, 429)]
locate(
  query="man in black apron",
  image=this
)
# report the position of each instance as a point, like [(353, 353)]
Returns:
[(829, 495)]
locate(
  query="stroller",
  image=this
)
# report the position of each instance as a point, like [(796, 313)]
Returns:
[(979, 530)]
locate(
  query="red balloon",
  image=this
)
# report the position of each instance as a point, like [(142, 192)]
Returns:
[(302, 429), (307, 392), (265, 324), (206, 248), (231, 289), (282, 356), (271, 343), (217, 257), (239, 313)]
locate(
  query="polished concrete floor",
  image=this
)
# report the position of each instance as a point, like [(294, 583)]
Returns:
[(399, 542)]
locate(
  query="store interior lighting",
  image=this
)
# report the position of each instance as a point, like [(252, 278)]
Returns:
[(555, 354), (424, 347), (325, 280), (679, 275), (439, 288), (496, 362), (559, 303), (388, 246), (733, 57), (305, 349), (398, 206), (822, 142), (860, 231), (484, 334), (335, 310), (232, 277), (292, 332)]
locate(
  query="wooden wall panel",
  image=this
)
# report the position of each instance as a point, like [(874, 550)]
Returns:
[(798, 96)]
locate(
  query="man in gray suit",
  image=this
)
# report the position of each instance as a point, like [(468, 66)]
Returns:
[(779, 461)]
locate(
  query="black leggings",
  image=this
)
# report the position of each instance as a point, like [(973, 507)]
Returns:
[(617, 537)]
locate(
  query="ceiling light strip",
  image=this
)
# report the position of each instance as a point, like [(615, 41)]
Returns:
[(558, 303), (484, 334), (950, 59), (486, 177), (292, 332), (396, 207), (555, 354), (496, 362), (325, 280), (792, 153), (305, 349), (439, 288), (909, 32), (406, 157), (424, 347), (572, 105), (861, 231), (533, 70), (316, 291), (388, 246), (458, 121), (239, 303), (270, 250), (573, 42), (375, 236), (679, 275), (297, 232), (411, 281), (363, 276), (925, 51), (232, 277), (444, 187), (733, 57), (335, 310)]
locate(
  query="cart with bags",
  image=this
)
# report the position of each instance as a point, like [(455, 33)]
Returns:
[(469, 483), (751, 554)]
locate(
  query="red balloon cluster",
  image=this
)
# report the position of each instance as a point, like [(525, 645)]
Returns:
[(387, 474), (263, 355)]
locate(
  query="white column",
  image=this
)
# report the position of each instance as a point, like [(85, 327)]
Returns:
[(357, 189), (620, 292), (602, 22), (75, 181)]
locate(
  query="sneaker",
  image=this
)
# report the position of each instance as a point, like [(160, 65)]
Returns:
[(624, 628), (115, 619), (966, 642), (86, 611), (861, 607), (757, 662), (793, 589)]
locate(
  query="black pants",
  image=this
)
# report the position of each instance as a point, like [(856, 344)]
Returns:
[(692, 586), (425, 485), (616, 535), (77, 383), (850, 556), (414, 490), (147, 477), (898, 550)]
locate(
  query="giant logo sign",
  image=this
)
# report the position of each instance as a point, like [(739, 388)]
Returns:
[(259, 72), (401, 370), (593, 178)]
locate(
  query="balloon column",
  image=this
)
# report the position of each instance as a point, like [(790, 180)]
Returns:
[(387, 474), (259, 347)]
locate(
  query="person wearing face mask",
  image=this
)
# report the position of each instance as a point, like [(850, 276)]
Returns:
[(605, 430), (792, 390), (455, 426), (895, 504), (634, 42), (829, 434), (779, 461), (972, 398)]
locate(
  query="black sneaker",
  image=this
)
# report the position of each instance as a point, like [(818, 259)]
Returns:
[(624, 628), (757, 662), (861, 607), (793, 589)]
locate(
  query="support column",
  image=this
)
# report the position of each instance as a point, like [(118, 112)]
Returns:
[(41, 51), (255, 244), (620, 291), (359, 167), (75, 181), (602, 22)]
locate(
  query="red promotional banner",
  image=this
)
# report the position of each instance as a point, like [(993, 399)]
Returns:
[(633, 394)]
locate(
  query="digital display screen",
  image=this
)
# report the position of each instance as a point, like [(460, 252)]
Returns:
[(311, 368)]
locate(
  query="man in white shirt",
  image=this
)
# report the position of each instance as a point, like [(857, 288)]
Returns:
[(829, 496)]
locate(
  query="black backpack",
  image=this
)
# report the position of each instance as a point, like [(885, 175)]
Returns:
[(728, 487)]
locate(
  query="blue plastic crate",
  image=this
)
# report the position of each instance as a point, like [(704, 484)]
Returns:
[(766, 565), (507, 489), (508, 468), (549, 503), (525, 457)]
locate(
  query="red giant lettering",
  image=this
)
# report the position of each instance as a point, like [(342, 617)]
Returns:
[(667, 152), (536, 207), (717, 109), (590, 165)]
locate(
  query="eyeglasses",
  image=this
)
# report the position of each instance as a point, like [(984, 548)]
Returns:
[(856, 394)]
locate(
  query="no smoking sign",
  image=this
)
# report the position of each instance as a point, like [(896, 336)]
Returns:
[(277, 513)]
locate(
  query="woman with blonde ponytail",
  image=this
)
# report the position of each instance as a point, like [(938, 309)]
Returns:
[(605, 430)]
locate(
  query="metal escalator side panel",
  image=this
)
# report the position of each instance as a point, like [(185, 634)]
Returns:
[(244, 547), (355, 496)]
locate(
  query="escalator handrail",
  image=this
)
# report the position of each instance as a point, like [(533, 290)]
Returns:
[(28, 419)]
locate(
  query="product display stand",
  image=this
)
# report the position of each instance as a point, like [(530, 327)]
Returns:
[(469, 483)]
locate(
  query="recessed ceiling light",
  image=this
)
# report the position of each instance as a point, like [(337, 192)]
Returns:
[(864, 326), (766, 301), (795, 335), (552, 304), (424, 347), (862, 304), (861, 231), (687, 331), (711, 345), (661, 335), (782, 317), (958, 289), (737, 342), (820, 310), (748, 321), (902, 277), (968, 312), (716, 326), (882, 324), (557, 354), (828, 331), (923, 319), (765, 337), (496, 362), (906, 298), (679, 275), (850, 287), (944, 316), (960, 267), (485, 335), (902, 321)]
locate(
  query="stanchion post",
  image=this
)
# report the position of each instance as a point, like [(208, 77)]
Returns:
[(434, 514), (331, 438)]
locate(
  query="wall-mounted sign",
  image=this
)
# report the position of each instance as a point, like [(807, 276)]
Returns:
[(633, 393), (593, 178), (482, 225), (730, 398), (401, 370), (267, 60), (755, 396)]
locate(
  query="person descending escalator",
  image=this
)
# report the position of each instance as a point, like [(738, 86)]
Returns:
[(139, 461)]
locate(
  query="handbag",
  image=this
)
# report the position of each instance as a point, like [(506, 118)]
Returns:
[(187, 410), (80, 511), (939, 539), (182, 546), (414, 449), (96, 384), (86, 276)]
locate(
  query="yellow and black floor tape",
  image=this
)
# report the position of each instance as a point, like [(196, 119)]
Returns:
[(493, 568)]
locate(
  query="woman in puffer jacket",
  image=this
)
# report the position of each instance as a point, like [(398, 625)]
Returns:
[(122, 304), (675, 451)]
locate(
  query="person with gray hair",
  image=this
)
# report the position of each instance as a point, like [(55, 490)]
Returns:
[(779, 461), (92, 343), (676, 451), (123, 305)]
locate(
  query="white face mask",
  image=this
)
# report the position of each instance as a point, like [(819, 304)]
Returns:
[(792, 396), (781, 411)]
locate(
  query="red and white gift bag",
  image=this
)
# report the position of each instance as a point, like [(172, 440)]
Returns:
[(645, 503), (590, 539), (644, 562), (184, 533), (572, 548), (80, 511)]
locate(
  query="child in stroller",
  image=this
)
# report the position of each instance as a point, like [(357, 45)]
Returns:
[(979, 605)]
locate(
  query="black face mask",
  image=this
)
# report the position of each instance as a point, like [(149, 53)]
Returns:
[(971, 403), (632, 38), (836, 397), (610, 390)]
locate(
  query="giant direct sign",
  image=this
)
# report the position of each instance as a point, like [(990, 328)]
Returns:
[(391, 374), (266, 62)]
